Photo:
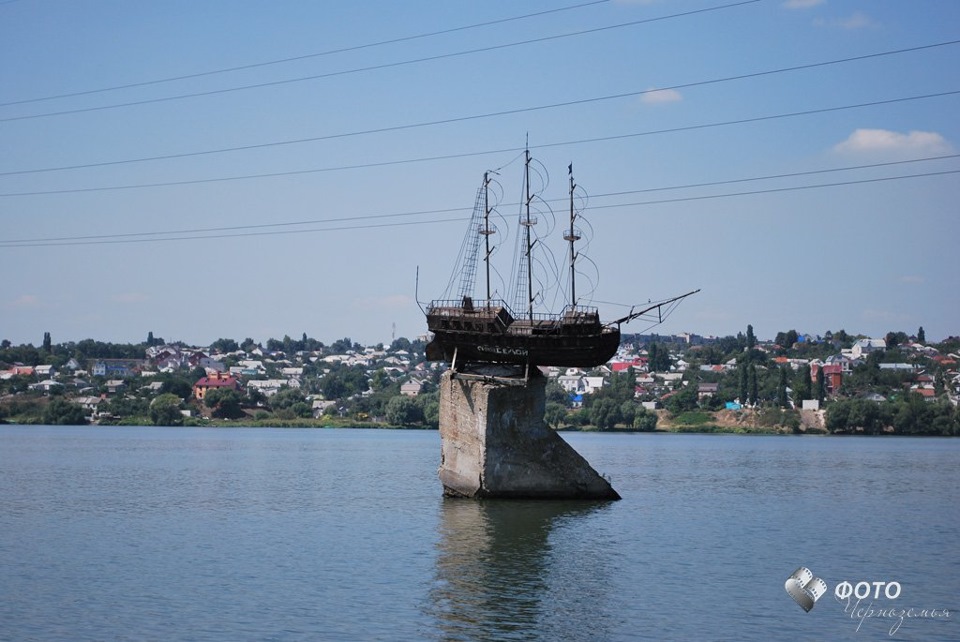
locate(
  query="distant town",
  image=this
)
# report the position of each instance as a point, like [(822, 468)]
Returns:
[(837, 383)]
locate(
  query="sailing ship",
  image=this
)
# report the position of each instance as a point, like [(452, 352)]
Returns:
[(467, 330)]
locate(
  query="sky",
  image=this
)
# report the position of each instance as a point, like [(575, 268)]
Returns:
[(235, 169)]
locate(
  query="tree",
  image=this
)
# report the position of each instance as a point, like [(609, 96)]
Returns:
[(47, 342), (165, 410), (224, 346), (786, 339), (751, 338), (684, 400), (921, 335), (752, 385), (744, 381), (782, 398), (61, 412), (658, 358), (802, 388), (644, 420), (286, 399), (225, 403), (605, 414), (554, 414), (430, 405), (894, 339), (403, 411)]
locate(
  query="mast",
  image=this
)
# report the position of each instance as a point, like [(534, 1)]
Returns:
[(486, 226), (572, 237), (527, 224)]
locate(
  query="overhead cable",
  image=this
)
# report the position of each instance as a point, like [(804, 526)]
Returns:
[(329, 52), (740, 121), (389, 65)]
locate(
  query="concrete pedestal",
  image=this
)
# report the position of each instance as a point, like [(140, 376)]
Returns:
[(494, 443)]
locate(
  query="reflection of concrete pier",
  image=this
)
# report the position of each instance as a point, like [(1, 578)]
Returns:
[(496, 444), (517, 570)]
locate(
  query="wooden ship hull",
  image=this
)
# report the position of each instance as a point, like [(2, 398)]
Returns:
[(490, 334)]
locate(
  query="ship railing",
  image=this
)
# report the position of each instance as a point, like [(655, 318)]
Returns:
[(450, 307), (579, 311)]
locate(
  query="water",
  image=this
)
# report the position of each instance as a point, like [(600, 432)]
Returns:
[(280, 534)]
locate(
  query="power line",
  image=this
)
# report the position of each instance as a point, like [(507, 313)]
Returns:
[(329, 52), (458, 119), (240, 234), (455, 54), (234, 231), (740, 121)]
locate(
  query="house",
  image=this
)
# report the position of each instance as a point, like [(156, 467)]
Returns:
[(89, 404), (214, 382), (17, 371), (411, 388), (45, 372), (832, 375), (46, 385), (706, 390), (116, 367), (928, 394), (115, 385), (863, 347), (320, 406), (269, 387)]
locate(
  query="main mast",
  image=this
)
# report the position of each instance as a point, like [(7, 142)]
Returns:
[(572, 237), (527, 224), (486, 231)]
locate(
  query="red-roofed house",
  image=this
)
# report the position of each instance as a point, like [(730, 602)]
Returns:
[(213, 381), (832, 375), (622, 366)]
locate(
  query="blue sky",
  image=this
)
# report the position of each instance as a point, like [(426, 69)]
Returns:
[(259, 169)]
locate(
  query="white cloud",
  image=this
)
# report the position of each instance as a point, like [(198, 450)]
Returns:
[(911, 279), (856, 20), (25, 301), (886, 141), (802, 4), (660, 96), (129, 297)]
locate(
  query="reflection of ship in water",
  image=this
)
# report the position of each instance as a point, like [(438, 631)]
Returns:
[(499, 577), (467, 329)]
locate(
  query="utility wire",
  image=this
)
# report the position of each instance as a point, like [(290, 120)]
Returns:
[(389, 65), (204, 233), (458, 119), (583, 141), (329, 52)]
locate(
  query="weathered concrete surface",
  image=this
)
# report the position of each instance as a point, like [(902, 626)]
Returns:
[(494, 443)]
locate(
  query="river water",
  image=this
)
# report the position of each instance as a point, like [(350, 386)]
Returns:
[(283, 534)]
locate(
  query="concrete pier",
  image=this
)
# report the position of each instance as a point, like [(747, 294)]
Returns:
[(494, 443)]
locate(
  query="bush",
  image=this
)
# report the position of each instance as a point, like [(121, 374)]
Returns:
[(644, 420), (165, 410), (61, 412)]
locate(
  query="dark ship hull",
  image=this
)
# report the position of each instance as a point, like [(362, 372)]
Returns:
[(463, 333)]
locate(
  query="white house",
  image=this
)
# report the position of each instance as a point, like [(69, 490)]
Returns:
[(863, 347)]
